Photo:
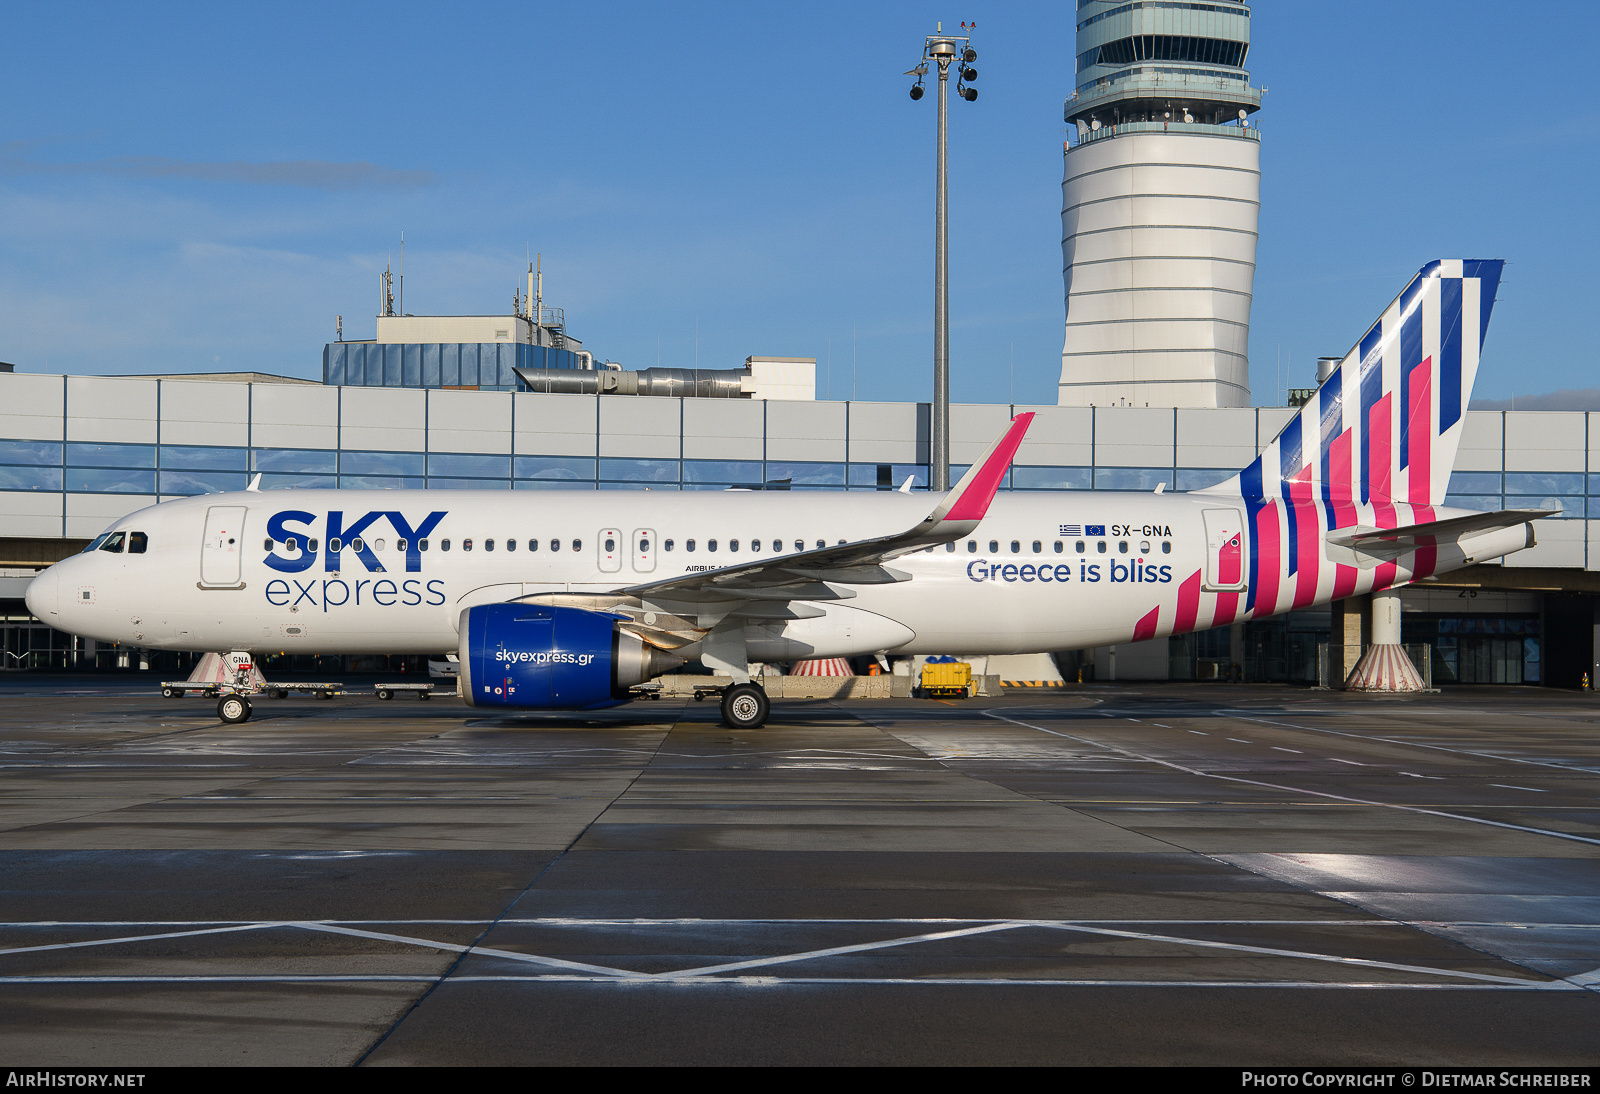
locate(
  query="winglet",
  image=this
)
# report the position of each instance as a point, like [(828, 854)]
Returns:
[(970, 498), (255, 483)]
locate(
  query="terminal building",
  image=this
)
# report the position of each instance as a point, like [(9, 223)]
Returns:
[(77, 452)]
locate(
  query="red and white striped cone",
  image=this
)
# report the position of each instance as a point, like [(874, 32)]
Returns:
[(1385, 668), (823, 666)]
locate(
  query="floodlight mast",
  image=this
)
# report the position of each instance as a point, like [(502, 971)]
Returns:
[(943, 50)]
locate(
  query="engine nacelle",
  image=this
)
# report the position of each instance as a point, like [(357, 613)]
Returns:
[(539, 657)]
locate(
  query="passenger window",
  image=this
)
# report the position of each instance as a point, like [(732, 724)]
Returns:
[(688, 545), (511, 545), (136, 543), (950, 547), (422, 545), (1166, 547), (994, 546), (668, 545), (1079, 547), (799, 545), (357, 545), (972, 546), (113, 542), (755, 545), (400, 545), (466, 545), (377, 545), (611, 545), (777, 545), (555, 545), (577, 545), (311, 545), (1122, 546), (334, 546), (644, 546), (444, 545), (1038, 547), (1144, 547), (533, 545), (291, 544), (488, 545), (733, 545), (1016, 548), (1101, 546), (821, 543), (1058, 546), (267, 546), (711, 545)]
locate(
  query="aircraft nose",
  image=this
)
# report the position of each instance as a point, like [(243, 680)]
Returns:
[(43, 594)]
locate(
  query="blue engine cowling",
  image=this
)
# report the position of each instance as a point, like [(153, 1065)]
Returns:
[(535, 656)]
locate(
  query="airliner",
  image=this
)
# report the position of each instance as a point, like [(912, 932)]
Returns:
[(565, 601)]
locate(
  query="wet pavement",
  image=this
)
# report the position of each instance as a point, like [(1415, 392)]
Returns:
[(1168, 874)]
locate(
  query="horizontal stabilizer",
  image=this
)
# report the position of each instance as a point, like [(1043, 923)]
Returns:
[(1454, 528)]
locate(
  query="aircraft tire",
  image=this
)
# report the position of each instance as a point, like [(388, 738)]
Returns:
[(745, 706), (233, 709)]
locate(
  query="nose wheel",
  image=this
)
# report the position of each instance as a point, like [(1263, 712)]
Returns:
[(745, 706), (233, 709)]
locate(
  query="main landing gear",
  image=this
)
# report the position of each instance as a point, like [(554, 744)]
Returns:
[(233, 709), (745, 706)]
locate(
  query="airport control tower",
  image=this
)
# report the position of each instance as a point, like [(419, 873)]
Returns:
[(1159, 206)]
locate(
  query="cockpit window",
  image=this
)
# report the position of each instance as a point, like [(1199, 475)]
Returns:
[(98, 540), (114, 542), (137, 542)]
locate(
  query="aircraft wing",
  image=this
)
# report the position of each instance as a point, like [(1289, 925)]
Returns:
[(816, 574)]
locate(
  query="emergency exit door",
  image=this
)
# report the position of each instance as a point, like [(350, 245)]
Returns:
[(1224, 550), (221, 551), (644, 550)]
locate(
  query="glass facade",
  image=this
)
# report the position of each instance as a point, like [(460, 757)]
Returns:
[(1572, 492)]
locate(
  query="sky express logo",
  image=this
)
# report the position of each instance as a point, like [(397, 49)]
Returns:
[(301, 547)]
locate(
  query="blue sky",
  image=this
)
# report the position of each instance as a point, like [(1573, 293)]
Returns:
[(204, 187)]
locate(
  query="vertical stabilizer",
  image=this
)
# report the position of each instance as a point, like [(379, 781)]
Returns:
[(1383, 429)]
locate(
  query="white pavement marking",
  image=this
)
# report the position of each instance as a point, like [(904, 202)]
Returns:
[(1280, 748), (1506, 786), (1303, 955), (555, 962), (1245, 716), (134, 938), (1352, 763), (1300, 790), (1239, 740), (832, 951)]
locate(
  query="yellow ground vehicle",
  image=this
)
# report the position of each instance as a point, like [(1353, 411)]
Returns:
[(947, 680)]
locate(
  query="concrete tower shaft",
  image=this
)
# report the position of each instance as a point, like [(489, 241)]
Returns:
[(1160, 202)]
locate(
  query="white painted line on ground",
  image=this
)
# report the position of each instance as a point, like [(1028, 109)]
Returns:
[(1352, 763), (791, 981), (452, 947), (1194, 731), (133, 938), (1507, 786), (1301, 790), (1280, 748), (1303, 955), (1418, 744), (785, 959), (1240, 740)]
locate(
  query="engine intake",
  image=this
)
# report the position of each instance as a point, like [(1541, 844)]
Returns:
[(539, 657)]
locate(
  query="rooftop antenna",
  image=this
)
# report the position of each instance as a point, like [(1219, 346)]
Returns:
[(402, 273), (538, 309)]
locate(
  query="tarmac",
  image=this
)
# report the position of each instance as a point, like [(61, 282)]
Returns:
[(1108, 875)]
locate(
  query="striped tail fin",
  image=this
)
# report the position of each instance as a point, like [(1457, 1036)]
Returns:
[(1383, 429)]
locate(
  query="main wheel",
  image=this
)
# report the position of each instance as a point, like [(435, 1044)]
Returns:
[(385, 693), (234, 709), (745, 706)]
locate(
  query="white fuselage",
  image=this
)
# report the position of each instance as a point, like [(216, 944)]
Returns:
[(1035, 575)]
